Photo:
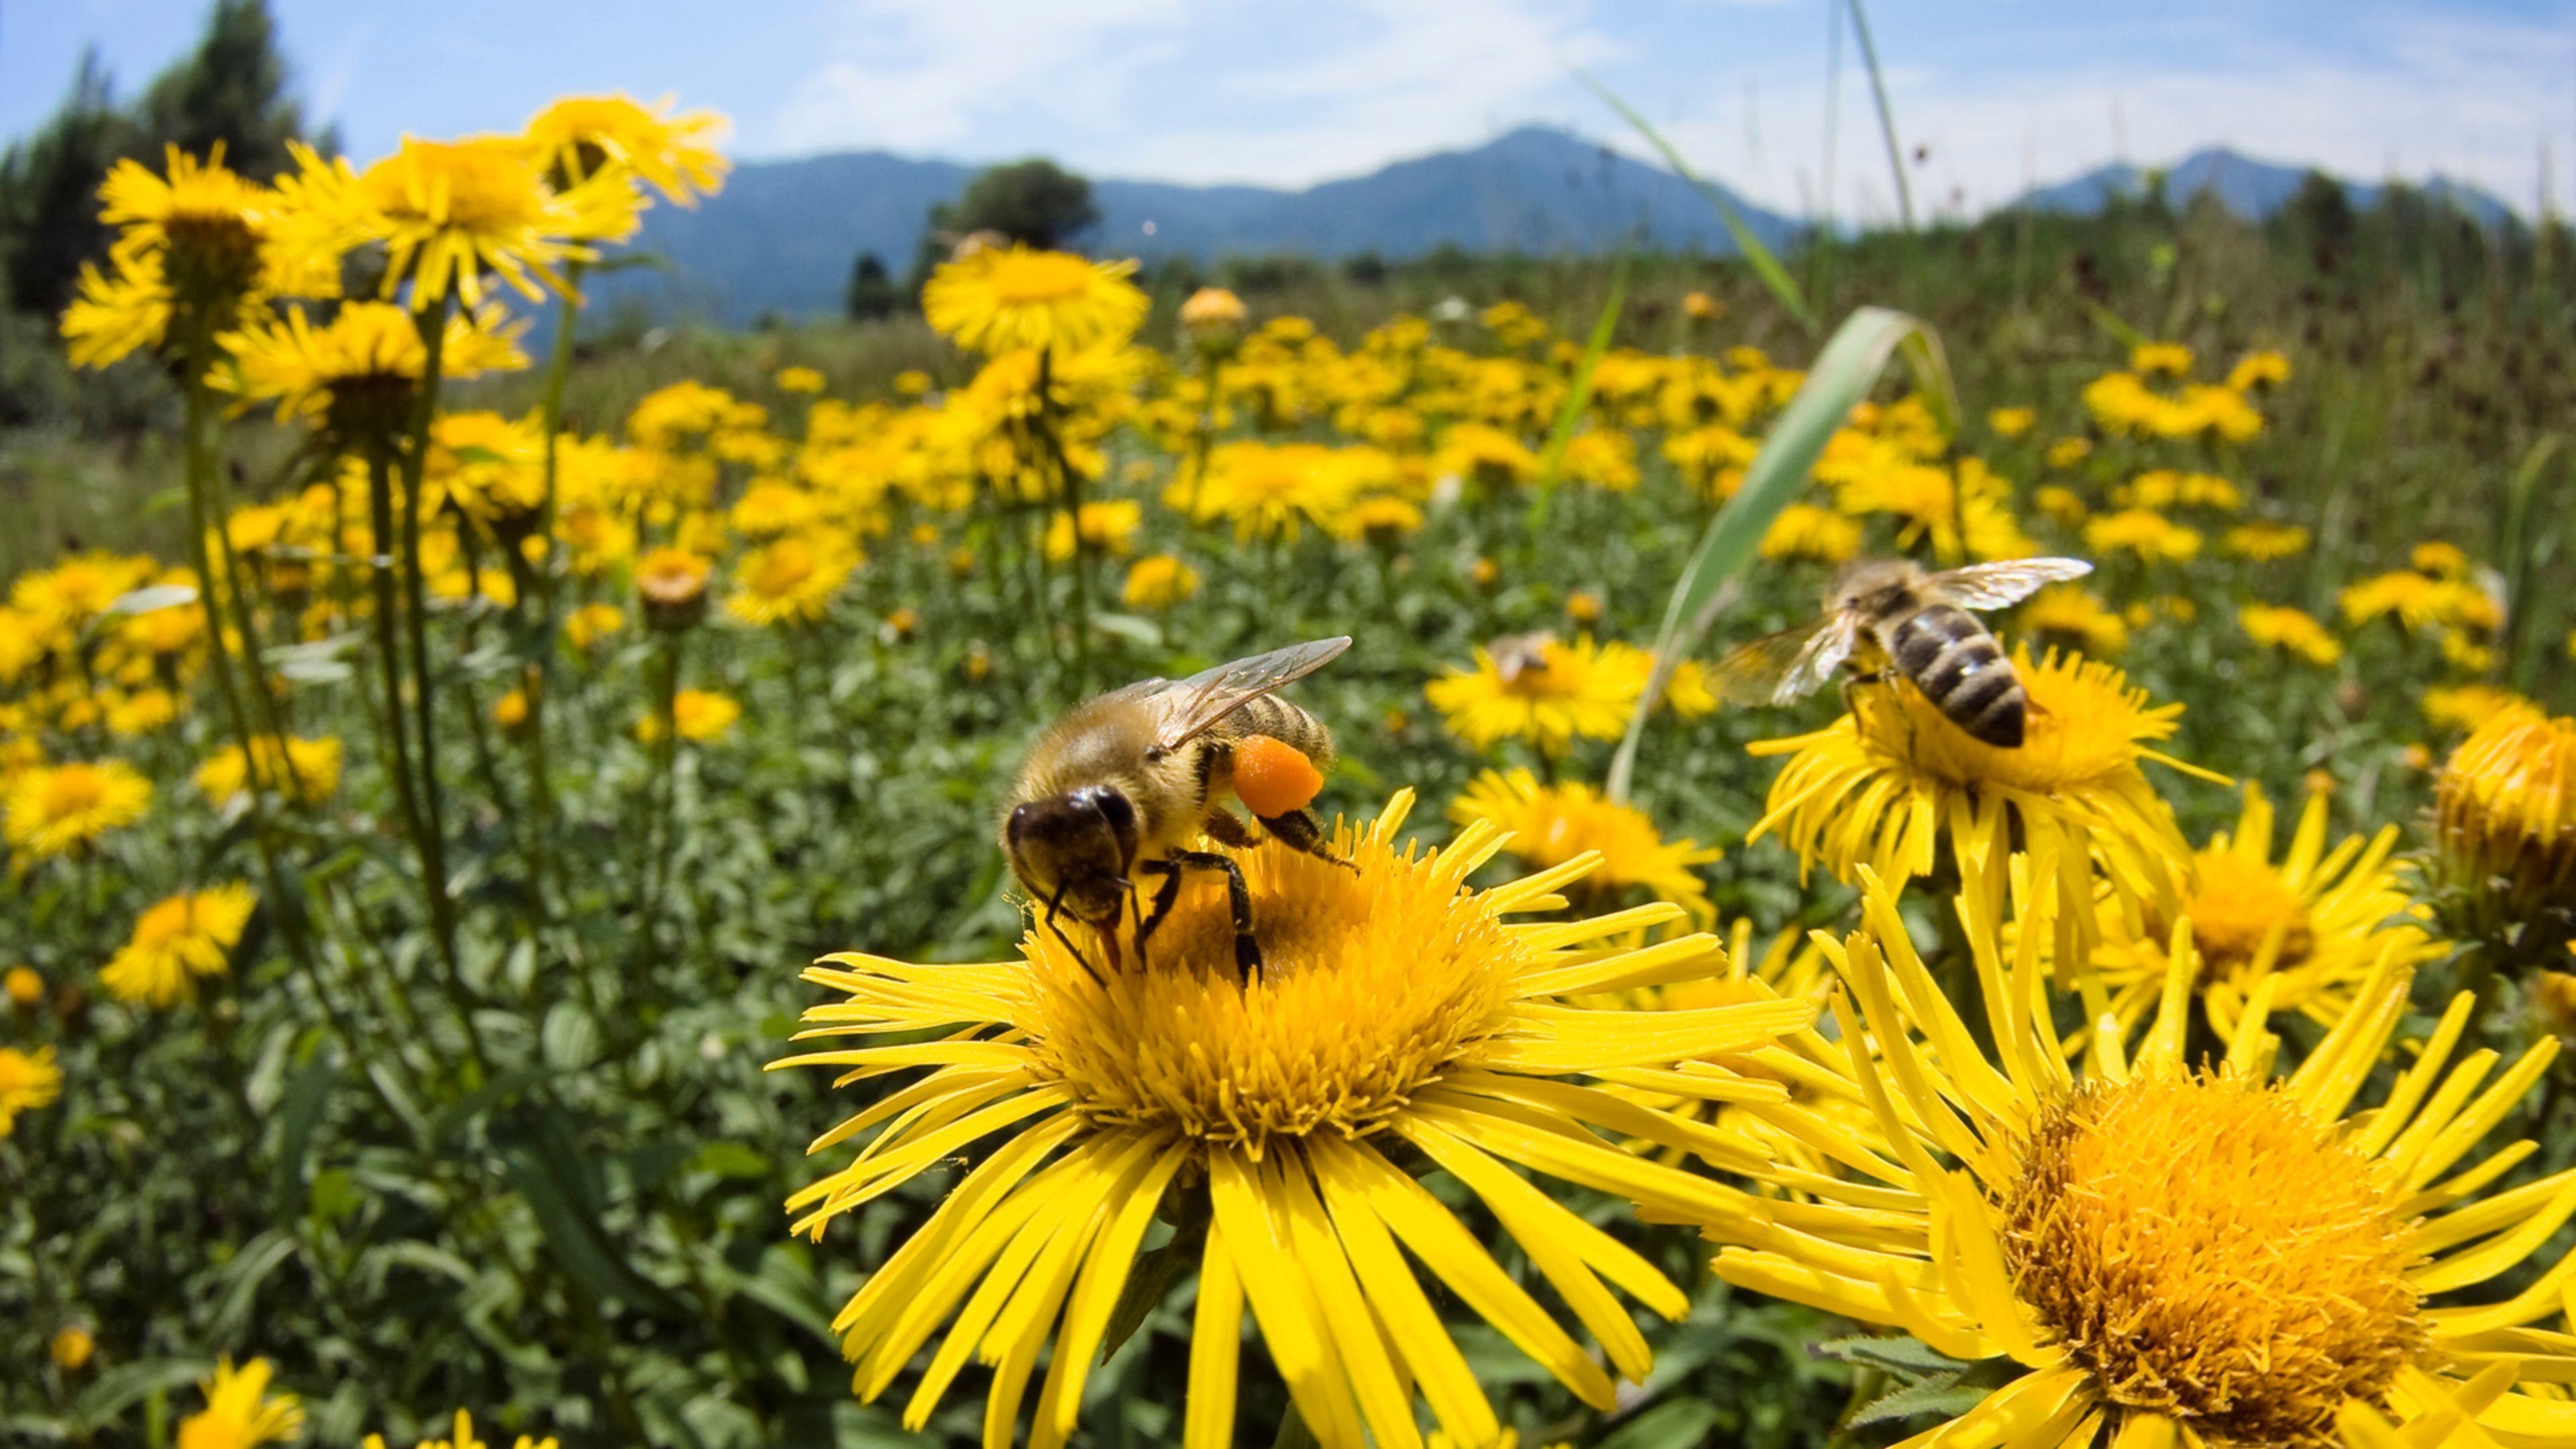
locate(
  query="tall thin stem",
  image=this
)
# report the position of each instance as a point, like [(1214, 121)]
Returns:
[(433, 833)]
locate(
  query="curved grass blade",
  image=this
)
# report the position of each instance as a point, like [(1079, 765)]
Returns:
[(1578, 395), (1843, 375), (1765, 263)]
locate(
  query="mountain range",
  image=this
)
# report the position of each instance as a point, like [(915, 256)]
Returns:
[(781, 238)]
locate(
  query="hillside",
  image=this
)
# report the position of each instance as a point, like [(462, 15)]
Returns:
[(2251, 188), (782, 235)]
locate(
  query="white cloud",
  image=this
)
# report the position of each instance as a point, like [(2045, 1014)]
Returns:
[(921, 73)]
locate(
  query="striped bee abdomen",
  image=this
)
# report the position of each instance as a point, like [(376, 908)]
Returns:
[(1958, 665), (1270, 715)]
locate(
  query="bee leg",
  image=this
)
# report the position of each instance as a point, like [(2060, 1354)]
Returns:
[(1299, 830), (1223, 828), (1164, 896), (1054, 908), (1238, 899)]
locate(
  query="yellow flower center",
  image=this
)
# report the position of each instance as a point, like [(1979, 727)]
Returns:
[(782, 567), (2239, 904), (2206, 1250), (1031, 279), (74, 789), (164, 923), (1372, 982), (2083, 727)]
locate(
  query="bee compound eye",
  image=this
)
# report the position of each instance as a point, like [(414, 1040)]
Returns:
[(1113, 807), (1019, 820)]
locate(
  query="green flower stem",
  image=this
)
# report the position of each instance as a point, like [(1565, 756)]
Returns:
[(433, 833)]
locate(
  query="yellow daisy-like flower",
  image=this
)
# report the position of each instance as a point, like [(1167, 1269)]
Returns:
[(1552, 824), (2074, 616), (701, 715), (589, 624), (579, 136), (355, 375), (799, 380), (176, 941), (117, 313), (1882, 786), (70, 1348), (310, 770), (2150, 535), (2169, 359), (1275, 490), (448, 212), (1394, 1006), (462, 1436), (28, 1080), (2161, 1255), (2505, 826), (25, 987), (672, 582), (2263, 540), (240, 1412), (2308, 928), (2012, 422), (55, 810), (1158, 581), (1107, 526), (2464, 708), (1805, 531), (791, 580), (1585, 689), (1002, 299), (2259, 369), (2293, 631)]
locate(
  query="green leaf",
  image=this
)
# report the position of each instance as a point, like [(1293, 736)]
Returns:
[(122, 1385), (242, 1278), (1945, 1396), (730, 1160), (1578, 394), (334, 1196), (1841, 379), (1766, 265), (1901, 1354), (308, 1095), (1674, 1424), (569, 1036), (573, 1234)]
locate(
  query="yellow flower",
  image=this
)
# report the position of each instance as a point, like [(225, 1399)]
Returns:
[(511, 710), (462, 1436), (141, 712), (1002, 299), (355, 376), (2067, 452), (1584, 689), (447, 212), (701, 714), (2259, 369), (55, 810), (70, 1348), (240, 1412), (28, 1080), (176, 941), (590, 623), (2262, 540), (2149, 1254), (310, 771), (2292, 630), (26, 988), (1549, 825), (2144, 532), (1485, 456), (2307, 929), (2169, 488), (2504, 830), (791, 580), (2463, 708), (1701, 307), (1805, 531), (1275, 490), (1107, 526), (1158, 581), (1212, 314), (1880, 787), (114, 315), (1395, 1007), (2074, 616), (2169, 359), (2012, 422), (1383, 521), (2440, 558), (67, 597), (672, 582), (490, 467), (581, 135), (911, 382), (799, 379)]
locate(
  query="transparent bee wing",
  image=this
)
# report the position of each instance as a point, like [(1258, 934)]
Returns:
[(1197, 704), (1994, 585), (1779, 668)]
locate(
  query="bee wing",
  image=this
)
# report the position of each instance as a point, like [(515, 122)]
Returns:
[(1197, 704), (1994, 585), (1779, 668)]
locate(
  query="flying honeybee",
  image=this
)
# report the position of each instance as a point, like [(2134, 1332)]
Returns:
[(1517, 654), (1123, 783), (1921, 623)]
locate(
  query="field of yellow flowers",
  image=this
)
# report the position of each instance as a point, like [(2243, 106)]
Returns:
[(412, 888)]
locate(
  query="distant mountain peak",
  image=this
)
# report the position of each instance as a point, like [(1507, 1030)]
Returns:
[(2251, 187)]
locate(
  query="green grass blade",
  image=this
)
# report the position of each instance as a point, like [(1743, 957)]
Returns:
[(1843, 375), (1886, 116), (1578, 394), (1765, 263)]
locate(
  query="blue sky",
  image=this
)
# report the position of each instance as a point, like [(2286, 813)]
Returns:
[(1999, 91)]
